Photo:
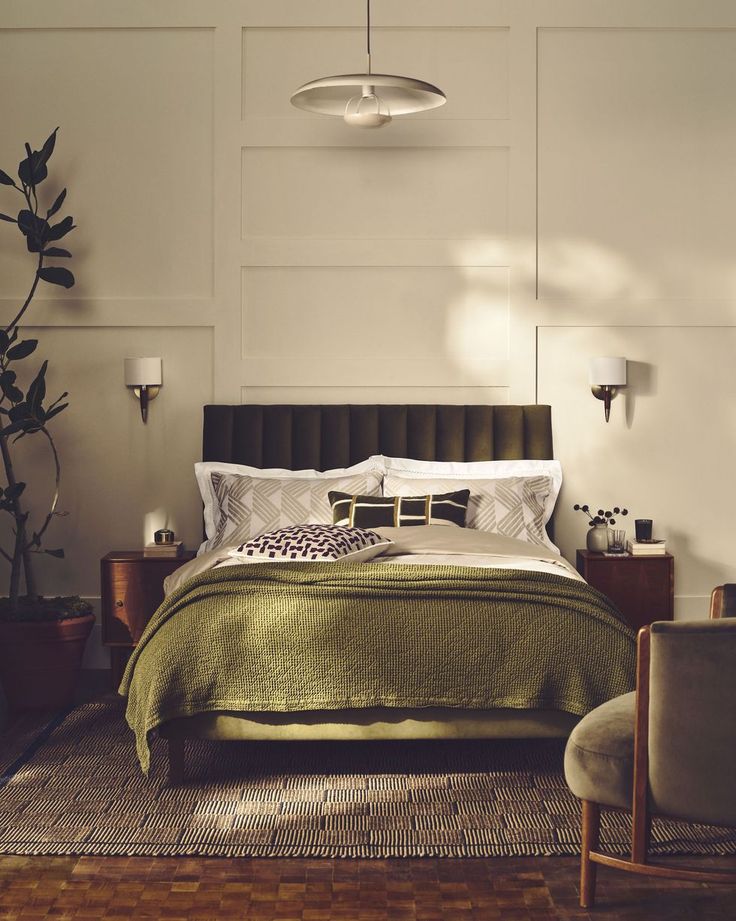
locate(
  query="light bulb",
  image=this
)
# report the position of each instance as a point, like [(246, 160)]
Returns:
[(366, 118)]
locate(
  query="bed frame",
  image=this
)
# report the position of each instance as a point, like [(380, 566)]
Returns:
[(323, 437)]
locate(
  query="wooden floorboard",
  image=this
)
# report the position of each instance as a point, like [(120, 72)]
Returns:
[(218, 889)]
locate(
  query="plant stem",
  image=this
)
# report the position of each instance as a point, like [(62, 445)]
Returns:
[(19, 527), (16, 320), (52, 511)]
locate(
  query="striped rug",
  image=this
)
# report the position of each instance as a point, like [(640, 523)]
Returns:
[(76, 788)]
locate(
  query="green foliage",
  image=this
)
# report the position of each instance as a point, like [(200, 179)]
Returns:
[(25, 412), (44, 609)]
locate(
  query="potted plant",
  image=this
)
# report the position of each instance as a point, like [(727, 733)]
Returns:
[(41, 639), (597, 538)]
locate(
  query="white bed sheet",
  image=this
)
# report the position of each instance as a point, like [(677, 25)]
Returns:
[(426, 544)]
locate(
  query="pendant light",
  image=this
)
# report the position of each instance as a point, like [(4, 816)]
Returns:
[(367, 100)]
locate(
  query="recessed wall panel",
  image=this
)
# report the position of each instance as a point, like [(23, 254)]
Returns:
[(469, 65), (637, 129), (380, 192), (135, 109), (121, 479), (329, 313)]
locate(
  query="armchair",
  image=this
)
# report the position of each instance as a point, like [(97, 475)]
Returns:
[(667, 749)]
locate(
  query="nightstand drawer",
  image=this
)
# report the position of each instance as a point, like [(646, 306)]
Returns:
[(641, 587), (131, 590)]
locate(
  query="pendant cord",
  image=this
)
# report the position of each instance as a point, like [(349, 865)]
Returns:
[(368, 32)]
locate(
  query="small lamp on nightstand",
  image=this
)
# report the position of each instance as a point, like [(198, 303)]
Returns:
[(144, 376), (607, 375)]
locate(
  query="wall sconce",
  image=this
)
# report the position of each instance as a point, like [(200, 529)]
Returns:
[(144, 376), (606, 376)]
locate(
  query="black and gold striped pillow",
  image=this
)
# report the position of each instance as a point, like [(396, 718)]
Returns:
[(399, 511)]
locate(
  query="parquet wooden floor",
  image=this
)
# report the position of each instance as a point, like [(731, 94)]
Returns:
[(216, 889)]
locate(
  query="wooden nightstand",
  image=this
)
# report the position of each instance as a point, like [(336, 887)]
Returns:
[(131, 589), (641, 587)]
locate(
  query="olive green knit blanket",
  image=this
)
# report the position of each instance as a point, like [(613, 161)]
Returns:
[(324, 636)]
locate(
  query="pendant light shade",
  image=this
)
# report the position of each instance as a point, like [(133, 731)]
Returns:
[(367, 100)]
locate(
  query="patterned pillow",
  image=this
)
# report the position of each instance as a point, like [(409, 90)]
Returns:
[(395, 511), (513, 506), (249, 506), (306, 542)]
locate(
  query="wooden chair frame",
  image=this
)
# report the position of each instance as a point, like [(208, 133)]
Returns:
[(723, 601), (641, 821)]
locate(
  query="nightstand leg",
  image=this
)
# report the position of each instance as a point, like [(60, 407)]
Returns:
[(119, 656)]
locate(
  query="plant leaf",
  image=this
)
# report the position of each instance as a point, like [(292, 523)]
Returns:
[(34, 228), (32, 171), (58, 553), (48, 146), (22, 350), (57, 231), (57, 251), (13, 492), (57, 204), (11, 429), (37, 390), (55, 411), (5, 179), (4, 341), (6, 217), (19, 413), (7, 385), (56, 276)]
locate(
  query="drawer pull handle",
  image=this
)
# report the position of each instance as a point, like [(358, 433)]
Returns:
[(119, 604)]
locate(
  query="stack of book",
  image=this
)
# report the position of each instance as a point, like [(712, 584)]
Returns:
[(164, 551), (647, 547)]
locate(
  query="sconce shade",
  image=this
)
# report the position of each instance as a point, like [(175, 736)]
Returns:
[(609, 372), (143, 372)]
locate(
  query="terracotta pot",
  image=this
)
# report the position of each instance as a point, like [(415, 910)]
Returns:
[(40, 662)]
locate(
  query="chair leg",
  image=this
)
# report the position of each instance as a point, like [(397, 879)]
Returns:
[(590, 836), (176, 762)]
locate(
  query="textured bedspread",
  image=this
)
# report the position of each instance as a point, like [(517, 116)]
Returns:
[(325, 636)]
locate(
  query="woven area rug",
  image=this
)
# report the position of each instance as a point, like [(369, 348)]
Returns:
[(76, 788)]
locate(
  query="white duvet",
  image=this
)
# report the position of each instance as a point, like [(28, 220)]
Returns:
[(428, 544)]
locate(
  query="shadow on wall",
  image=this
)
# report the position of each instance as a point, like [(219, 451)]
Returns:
[(709, 574), (641, 382)]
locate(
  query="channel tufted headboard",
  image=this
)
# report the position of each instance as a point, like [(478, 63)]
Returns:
[(322, 437)]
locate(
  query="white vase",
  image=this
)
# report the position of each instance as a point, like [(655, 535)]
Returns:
[(597, 539)]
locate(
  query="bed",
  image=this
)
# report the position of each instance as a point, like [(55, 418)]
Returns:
[(327, 437)]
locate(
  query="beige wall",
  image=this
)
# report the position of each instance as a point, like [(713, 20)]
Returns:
[(573, 198)]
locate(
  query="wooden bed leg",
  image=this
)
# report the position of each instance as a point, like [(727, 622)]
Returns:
[(591, 827), (176, 762)]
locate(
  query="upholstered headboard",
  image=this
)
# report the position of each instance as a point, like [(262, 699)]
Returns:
[(322, 437)]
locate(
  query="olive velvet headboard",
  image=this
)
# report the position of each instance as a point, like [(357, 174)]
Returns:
[(322, 437)]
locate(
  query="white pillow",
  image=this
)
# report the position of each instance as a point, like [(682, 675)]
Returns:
[(247, 506), (516, 507), (313, 542), (465, 473), (203, 472), (485, 470)]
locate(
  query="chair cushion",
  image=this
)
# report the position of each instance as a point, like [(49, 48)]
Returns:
[(599, 758)]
